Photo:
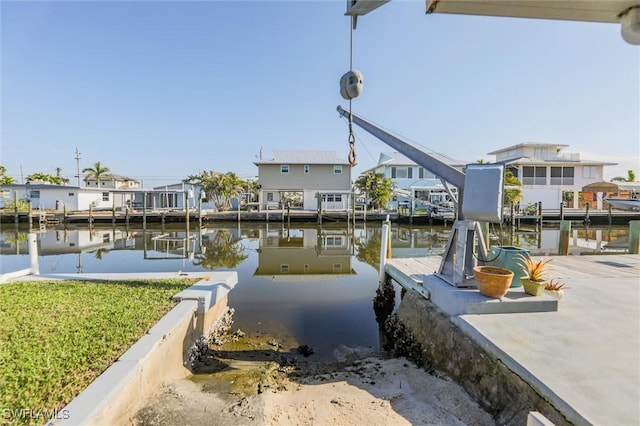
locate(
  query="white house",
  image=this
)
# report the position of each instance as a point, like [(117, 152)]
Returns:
[(300, 177), (413, 182), (173, 197), (59, 197), (548, 174)]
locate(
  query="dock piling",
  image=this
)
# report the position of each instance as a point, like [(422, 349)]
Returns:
[(33, 254), (563, 241), (634, 237), (384, 246)]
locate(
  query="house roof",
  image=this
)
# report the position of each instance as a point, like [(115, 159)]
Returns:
[(303, 157), (110, 176), (528, 145), (559, 161), (397, 159)]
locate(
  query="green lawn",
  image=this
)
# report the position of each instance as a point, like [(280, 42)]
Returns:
[(57, 336)]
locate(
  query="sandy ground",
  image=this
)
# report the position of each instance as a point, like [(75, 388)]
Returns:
[(369, 391)]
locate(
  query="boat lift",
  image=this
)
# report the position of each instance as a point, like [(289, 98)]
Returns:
[(480, 196)]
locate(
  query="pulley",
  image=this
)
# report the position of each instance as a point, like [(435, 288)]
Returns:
[(351, 84)]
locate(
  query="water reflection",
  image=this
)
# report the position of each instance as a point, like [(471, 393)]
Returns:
[(300, 283)]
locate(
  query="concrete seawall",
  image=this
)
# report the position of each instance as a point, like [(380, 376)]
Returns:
[(158, 357), (448, 349)]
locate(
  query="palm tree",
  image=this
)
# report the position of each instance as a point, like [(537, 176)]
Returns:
[(631, 177), (96, 171), (4, 178), (513, 194), (218, 187), (64, 180), (377, 187)]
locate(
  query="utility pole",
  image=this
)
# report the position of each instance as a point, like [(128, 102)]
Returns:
[(78, 165)]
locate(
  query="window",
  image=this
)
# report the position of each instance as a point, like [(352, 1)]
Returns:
[(561, 175), (105, 196), (540, 153), (306, 267), (284, 168), (534, 175), (337, 267), (284, 268), (401, 172), (589, 172), (306, 169), (71, 194), (270, 196), (420, 172), (513, 170), (334, 241), (35, 193), (337, 169)]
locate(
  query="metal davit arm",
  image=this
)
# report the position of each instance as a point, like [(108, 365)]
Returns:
[(435, 166)]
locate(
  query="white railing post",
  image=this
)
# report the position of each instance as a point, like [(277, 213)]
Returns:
[(33, 253), (384, 241)]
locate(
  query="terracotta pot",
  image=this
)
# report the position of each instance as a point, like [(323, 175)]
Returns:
[(534, 288), (492, 281)]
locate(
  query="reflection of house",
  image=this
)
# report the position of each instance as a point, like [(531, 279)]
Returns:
[(113, 181), (52, 242), (57, 197), (547, 174), (302, 175), (413, 182), (306, 254)]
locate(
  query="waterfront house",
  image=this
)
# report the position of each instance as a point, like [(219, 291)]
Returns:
[(113, 181), (416, 186), (59, 197), (300, 178), (174, 197), (549, 175)]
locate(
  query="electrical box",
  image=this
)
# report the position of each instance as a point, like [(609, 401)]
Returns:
[(483, 192)]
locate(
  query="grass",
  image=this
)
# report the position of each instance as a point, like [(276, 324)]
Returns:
[(57, 336)]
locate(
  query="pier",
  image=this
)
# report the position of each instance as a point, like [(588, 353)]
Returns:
[(548, 217), (581, 360)]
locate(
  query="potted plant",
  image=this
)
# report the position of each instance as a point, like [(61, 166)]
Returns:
[(536, 272), (492, 281), (555, 289)]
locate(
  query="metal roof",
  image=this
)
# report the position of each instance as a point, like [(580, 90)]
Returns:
[(558, 161), (528, 145), (303, 157)]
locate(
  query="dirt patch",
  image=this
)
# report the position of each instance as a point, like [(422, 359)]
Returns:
[(260, 381)]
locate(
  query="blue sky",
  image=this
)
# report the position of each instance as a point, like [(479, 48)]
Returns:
[(161, 90)]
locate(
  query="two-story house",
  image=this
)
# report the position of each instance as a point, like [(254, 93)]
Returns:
[(302, 178), (548, 174), (113, 181), (414, 184)]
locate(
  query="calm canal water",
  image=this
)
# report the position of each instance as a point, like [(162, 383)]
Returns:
[(299, 283)]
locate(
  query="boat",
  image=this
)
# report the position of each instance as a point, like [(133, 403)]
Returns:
[(631, 204)]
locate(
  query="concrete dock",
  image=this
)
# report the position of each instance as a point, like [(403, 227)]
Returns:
[(584, 358)]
